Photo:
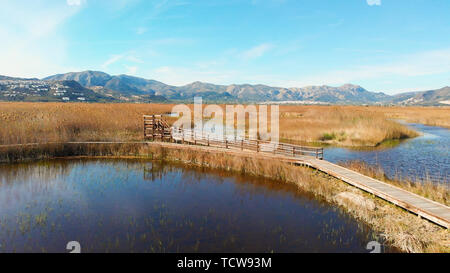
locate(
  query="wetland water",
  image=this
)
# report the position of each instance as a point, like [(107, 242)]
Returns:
[(426, 157), (144, 206)]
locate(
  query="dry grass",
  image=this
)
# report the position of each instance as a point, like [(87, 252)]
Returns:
[(340, 125), (434, 191), (345, 125), (400, 228), (58, 122), (434, 116)]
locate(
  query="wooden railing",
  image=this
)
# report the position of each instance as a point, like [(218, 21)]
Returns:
[(233, 142), (155, 127)]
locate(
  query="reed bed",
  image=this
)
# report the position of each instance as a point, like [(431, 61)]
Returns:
[(433, 116), (58, 122), (338, 125), (397, 227)]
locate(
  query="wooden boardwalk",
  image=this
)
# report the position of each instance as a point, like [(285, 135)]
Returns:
[(313, 157), (423, 207), (430, 210)]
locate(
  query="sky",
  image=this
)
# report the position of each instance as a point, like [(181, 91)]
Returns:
[(389, 46)]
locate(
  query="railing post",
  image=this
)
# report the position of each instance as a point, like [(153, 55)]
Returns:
[(153, 127), (144, 129), (274, 148), (226, 143), (293, 151), (257, 146), (208, 140), (195, 138)]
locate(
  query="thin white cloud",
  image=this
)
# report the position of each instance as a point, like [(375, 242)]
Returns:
[(185, 75), (124, 59), (75, 2), (172, 42), (134, 59), (406, 68), (141, 30), (374, 2), (256, 52), (257, 2), (131, 70), (162, 6), (34, 47), (113, 59), (434, 63), (427, 63)]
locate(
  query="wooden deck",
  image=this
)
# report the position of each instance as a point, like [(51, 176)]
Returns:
[(423, 207), (313, 157), (234, 142), (156, 128)]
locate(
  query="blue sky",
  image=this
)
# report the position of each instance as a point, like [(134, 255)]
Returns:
[(383, 45)]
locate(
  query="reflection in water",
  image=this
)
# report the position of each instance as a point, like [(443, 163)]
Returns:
[(141, 206), (426, 157)]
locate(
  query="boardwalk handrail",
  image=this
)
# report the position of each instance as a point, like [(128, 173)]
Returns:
[(155, 127), (234, 142)]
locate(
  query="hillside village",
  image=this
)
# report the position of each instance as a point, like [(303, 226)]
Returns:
[(39, 90), (95, 86)]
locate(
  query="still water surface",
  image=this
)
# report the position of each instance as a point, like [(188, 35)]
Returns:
[(426, 157), (142, 206)]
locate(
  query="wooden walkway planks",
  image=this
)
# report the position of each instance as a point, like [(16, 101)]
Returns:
[(426, 208)]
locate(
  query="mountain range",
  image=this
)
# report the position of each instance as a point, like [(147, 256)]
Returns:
[(133, 89), (132, 86), (430, 97)]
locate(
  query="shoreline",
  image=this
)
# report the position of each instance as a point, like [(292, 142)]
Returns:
[(398, 227)]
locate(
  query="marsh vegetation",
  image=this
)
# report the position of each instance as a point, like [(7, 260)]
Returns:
[(54, 122), (337, 125)]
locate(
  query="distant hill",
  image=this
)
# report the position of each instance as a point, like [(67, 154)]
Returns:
[(87, 78), (430, 97), (127, 86), (101, 86), (17, 89), (347, 93), (6, 78), (122, 83)]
